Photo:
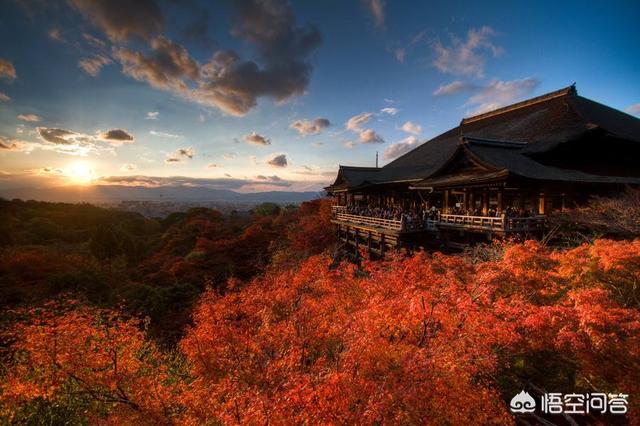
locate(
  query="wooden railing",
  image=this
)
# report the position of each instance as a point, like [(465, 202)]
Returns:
[(501, 224), (524, 224), (373, 221)]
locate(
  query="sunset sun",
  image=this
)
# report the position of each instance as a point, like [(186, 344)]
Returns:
[(80, 173)]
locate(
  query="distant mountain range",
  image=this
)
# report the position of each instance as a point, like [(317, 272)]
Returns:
[(114, 193)]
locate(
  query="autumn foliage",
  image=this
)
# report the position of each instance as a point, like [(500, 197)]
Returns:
[(430, 339)]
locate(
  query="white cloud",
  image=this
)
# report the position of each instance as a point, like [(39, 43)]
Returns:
[(633, 109), (390, 111), (348, 144), (165, 135), (452, 88), (152, 115), (500, 93), (356, 122), (74, 143), (229, 155), (413, 128), (257, 139), (400, 54), (128, 167), (92, 66), (33, 118), (376, 8), (369, 136), (310, 127), (401, 147), (4, 97), (466, 57), (180, 155)]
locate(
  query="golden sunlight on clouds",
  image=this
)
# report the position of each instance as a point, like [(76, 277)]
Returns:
[(79, 172)]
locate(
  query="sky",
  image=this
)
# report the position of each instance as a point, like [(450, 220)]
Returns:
[(254, 95)]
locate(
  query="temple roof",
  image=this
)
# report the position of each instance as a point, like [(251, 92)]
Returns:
[(507, 138)]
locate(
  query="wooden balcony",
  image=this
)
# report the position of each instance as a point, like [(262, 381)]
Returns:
[(498, 224), (501, 224)]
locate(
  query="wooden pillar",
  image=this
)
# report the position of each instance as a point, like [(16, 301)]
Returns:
[(541, 203), (381, 245), (485, 202), (369, 245), (500, 200), (445, 205), (464, 200)]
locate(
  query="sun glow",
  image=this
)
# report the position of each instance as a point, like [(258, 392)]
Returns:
[(79, 173)]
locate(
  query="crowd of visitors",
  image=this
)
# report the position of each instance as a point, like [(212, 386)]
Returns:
[(433, 213), (395, 213)]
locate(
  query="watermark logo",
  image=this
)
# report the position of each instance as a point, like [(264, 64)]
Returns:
[(522, 403), (571, 403)]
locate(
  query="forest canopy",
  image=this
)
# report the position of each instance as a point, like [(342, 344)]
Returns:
[(272, 329)]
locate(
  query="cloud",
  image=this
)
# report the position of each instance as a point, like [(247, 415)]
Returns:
[(633, 109), (356, 122), (390, 111), (165, 135), (4, 97), (273, 178), (56, 34), (60, 136), (190, 182), (466, 57), (212, 166), (229, 155), (152, 115), (7, 70), (117, 137), (180, 155), (317, 144), (167, 67), (348, 144), (453, 88), (400, 54), (11, 144), (278, 161), (500, 93), (413, 128), (310, 127), (93, 41), (401, 147), (376, 9), (32, 118), (123, 19), (128, 167), (282, 70), (283, 47), (92, 66), (369, 136), (257, 139), (74, 143)]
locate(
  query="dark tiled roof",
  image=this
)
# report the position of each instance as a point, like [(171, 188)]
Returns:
[(535, 125), (522, 165)]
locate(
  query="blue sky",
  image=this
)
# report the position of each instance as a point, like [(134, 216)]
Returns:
[(258, 95)]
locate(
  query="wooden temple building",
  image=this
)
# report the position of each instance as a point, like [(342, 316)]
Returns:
[(496, 174)]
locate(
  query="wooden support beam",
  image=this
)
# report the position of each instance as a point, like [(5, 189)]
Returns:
[(446, 201), (485, 202)]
